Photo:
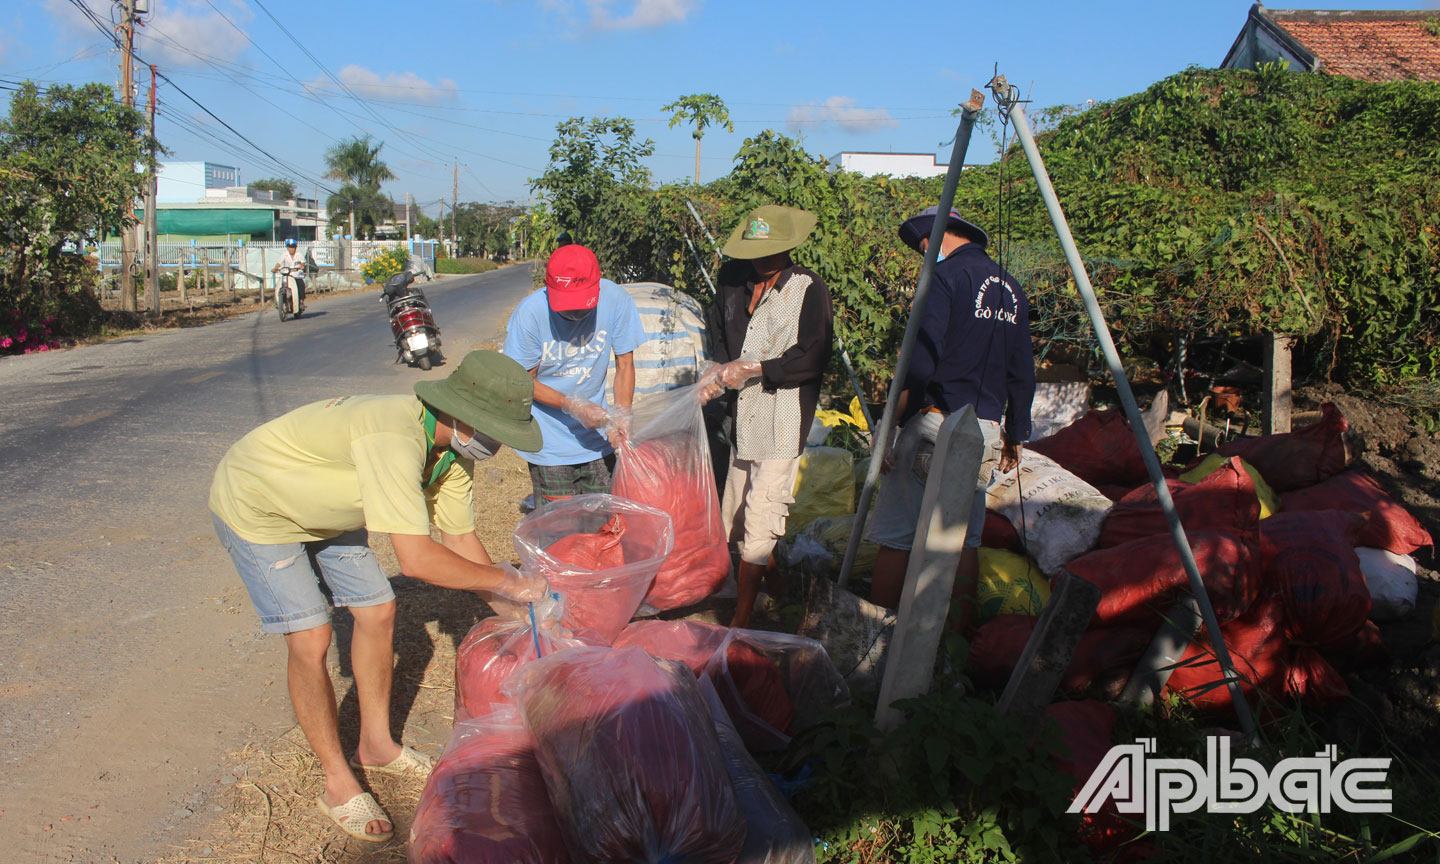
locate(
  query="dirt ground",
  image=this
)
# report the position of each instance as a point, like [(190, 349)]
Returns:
[(1405, 459)]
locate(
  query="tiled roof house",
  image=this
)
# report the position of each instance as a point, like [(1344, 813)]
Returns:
[(1367, 45)]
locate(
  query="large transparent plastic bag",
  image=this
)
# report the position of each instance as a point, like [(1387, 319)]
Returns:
[(600, 552), (630, 757), (688, 642), (485, 802), (665, 463), (497, 646), (774, 832), (774, 685)]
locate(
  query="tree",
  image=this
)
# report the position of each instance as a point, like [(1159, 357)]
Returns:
[(72, 162), (700, 109), (484, 229), (370, 206), (589, 185), (284, 188), (357, 161)]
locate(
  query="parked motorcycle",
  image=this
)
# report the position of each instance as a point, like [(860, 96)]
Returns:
[(287, 297), (417, 339)]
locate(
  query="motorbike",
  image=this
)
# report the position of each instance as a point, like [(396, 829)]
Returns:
[(287, 297), (417, 339)]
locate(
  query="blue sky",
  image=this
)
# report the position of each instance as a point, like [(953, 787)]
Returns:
[(485, 81)]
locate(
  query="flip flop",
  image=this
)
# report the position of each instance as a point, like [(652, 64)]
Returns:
[(409, 762), (352, 817)]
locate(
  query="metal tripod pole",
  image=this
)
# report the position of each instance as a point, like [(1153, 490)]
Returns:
[(879, 437), (1008, 99)]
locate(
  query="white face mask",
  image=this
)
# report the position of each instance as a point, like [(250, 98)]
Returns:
[(479, 447)]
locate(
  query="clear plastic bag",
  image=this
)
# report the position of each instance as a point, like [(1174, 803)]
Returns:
[(774, 832), (485, 802), (630, 757), (629, 539), (774, 685), (688, 642), (497, 646), (665, 464)]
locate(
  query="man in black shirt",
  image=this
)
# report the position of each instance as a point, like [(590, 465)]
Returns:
[(771, 328), (973, 349)]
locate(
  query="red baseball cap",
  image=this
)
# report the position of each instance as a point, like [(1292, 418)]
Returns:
[(572, 278)]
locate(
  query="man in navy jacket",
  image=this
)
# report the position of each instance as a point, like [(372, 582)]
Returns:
[(973, 349)]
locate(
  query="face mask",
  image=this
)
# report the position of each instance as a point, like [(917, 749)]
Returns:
[(479, 447), (576, 315)]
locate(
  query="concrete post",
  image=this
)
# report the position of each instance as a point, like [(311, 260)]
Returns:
[(1047, 654), (930, 578), (1277, 407)]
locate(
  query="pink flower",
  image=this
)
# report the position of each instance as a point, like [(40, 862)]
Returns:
[(44, 347), (6, 342)]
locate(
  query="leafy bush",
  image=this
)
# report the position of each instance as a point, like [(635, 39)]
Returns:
[(386, 264), (464, 265)]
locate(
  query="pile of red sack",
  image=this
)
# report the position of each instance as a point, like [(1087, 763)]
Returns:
[(1288, 589)]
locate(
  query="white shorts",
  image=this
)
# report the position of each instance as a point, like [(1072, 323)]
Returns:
[(758, 495), (896, 512)]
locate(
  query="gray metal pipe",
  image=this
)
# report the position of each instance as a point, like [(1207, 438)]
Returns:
[(881, 436), (1007, 98)]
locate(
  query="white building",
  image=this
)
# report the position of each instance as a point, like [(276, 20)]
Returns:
[(187, 182), (893, 164)]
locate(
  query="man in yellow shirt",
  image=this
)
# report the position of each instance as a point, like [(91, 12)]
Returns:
[(312, 483)]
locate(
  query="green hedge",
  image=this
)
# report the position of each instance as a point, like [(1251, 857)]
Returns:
[(464, 265)]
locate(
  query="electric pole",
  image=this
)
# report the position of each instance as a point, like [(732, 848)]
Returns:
[(409, 229), (127, 98), (454, 205), (152, 219)]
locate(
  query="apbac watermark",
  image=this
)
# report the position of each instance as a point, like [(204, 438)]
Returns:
[(1140, 783)]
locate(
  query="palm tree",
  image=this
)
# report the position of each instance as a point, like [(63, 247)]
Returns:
[(701, 109), (357, 161)]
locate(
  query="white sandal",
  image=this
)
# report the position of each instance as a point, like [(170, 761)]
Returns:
[(410, 762), (354, 815)]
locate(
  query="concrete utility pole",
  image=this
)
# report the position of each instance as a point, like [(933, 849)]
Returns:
[(127, 98), (409, 224), (152, 220), (454, 206)]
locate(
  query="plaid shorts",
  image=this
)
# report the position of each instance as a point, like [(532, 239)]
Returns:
[(553, 482)]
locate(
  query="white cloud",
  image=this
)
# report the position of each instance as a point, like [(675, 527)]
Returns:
[(622, 14), (174, 32), (393, 86), (841, 111)]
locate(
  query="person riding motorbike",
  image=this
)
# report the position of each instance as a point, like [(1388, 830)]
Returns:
[(296, 262)]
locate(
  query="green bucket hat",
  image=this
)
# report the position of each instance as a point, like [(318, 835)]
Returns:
[(491, 394), (769, 230)]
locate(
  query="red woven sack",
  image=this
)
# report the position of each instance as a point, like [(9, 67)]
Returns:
[(598, 551), (666, 473), (689, 642), (758, 682), (1138, 580), (1258, 650), (485, 802), (1294, 460), (1086, 730), (1391, 526), (999, 533), (630, 758), (1102, 661), (1223, 501), (492, 650), (1310, 563), (1313, 682), (1098, 448)]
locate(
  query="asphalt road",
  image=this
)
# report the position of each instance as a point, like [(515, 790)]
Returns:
[(131, 661)]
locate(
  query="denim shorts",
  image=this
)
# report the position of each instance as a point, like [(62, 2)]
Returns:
[(283, 585), (894, 518)]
